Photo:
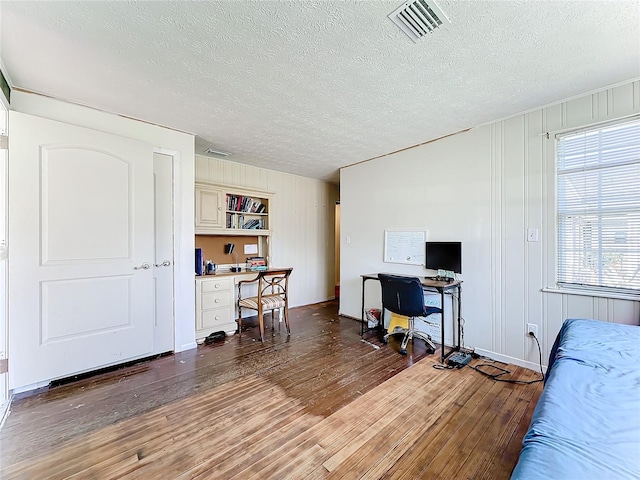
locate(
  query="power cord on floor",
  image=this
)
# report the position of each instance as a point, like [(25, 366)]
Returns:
[(504, 371), (442, 366)]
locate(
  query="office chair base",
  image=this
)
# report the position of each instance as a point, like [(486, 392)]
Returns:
[(409, 334), (396, 330)]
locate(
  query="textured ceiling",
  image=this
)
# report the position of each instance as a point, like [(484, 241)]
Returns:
[(307, 87)]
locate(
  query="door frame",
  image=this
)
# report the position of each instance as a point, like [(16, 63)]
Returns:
[(5, 395), (176, 245), (52, 340), (175, 211), (176, 143)]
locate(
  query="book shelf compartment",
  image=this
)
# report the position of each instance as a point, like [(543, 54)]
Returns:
[(246, 221), (246, 212)]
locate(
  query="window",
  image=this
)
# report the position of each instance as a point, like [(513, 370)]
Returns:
[(598, 195)]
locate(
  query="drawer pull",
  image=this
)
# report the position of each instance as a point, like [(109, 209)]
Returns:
[(217, 317), (217, 285), (217, 300)]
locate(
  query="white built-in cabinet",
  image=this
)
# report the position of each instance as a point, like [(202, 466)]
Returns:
[(209, 208), (216, 297), (229, 210), (215, 306)]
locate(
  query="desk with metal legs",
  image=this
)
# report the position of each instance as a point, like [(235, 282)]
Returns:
[(428, 284)]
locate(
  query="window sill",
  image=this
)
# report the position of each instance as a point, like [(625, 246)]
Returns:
[(594, 293)]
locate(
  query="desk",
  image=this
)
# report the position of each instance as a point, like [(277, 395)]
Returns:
[(216, 302), (427, 283)]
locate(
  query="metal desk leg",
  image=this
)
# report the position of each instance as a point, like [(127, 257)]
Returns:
[(442, 324), (362, 318), (459, 316), (456, 346)]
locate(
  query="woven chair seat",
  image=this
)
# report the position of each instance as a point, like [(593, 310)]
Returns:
[(268, 302)]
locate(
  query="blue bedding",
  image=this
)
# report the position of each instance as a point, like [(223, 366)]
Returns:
[(586, 424)]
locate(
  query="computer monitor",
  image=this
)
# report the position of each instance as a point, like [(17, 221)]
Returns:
[(444, 256)]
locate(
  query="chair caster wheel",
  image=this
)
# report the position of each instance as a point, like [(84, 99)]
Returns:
[(385, 340), (403, 351)]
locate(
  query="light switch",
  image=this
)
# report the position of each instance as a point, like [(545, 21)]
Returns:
[(532, 235)]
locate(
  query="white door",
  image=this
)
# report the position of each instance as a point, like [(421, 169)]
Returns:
[(163, 256), (81, 236)]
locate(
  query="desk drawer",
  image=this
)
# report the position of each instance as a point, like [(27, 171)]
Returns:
[(216, 300), (217, 318), (216, 284)]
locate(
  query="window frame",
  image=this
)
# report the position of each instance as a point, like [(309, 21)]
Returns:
[(554, 213)]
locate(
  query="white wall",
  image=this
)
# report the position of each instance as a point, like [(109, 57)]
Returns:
[(484, 187), (172, 142), (303, 223)]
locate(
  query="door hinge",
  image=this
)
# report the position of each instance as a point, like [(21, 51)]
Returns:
[(4, 142), (4, 365)]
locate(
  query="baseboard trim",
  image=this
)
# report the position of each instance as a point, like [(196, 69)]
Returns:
[(56, 382), (507, 359), (349, 316), (33, 386), (187, 346)]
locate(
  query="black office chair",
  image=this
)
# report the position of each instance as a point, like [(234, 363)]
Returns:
[(405, 296)]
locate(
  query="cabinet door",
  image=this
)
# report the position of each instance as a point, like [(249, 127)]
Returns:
[(209, 208)]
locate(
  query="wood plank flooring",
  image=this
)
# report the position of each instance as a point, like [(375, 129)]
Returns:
[(321, 404)]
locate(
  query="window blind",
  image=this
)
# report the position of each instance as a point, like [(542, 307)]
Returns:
[(598, 207)]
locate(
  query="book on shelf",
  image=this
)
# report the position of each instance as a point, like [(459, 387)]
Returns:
[(235, 220), (238, 221), (256, 263), (255, 223), (239, 203)]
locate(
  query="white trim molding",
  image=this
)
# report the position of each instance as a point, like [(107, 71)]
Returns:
[(512, 360)]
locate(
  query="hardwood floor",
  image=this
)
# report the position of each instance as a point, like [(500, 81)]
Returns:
[(320, 404)]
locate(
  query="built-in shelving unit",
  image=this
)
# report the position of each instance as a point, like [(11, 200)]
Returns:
[(224, 209), (226, 214)]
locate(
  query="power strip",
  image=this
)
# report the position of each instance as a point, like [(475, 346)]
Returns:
[(458, 359)]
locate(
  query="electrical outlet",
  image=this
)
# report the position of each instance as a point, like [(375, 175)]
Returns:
[(532, 328)]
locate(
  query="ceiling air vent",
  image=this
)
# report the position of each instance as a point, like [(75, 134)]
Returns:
[(219, 153), (418, 18)]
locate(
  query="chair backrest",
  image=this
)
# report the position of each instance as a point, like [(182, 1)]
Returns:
[(274, 282), (402, 295)]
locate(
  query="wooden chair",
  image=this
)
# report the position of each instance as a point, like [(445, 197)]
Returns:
[(273, 285)]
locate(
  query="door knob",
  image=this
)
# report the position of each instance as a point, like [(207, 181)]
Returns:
[(144, 266), (166, 263)]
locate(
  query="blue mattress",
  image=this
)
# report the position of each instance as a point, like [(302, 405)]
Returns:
[(586, 424)]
